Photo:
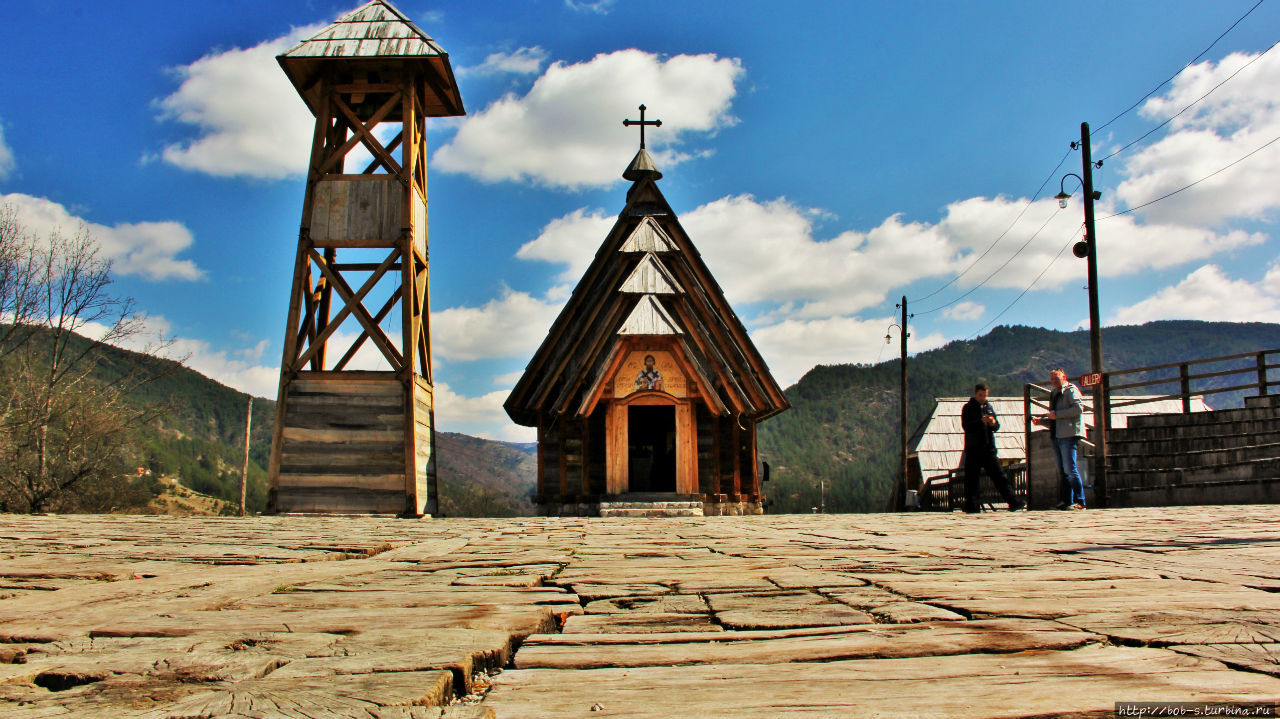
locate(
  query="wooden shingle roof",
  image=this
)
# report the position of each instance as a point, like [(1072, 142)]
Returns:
[(622, 293), (376, 31)]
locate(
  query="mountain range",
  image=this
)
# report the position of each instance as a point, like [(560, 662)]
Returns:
[(837, 445)]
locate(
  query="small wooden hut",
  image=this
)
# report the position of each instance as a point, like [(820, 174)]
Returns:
[(361, 440), (647, 389)]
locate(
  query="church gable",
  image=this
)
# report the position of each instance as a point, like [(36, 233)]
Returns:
[(650, 277), (649, 318), (648, 236)]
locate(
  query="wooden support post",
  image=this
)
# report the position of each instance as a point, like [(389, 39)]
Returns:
[(1262, 374), (1185, 383)]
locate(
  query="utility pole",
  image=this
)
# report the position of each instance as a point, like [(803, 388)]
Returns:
[(903, 335), (1095, 324), (244, 468)]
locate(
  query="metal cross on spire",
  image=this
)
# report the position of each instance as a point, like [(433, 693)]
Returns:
[(642, 122)]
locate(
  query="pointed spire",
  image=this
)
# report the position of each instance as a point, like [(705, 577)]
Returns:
[(641, 166)]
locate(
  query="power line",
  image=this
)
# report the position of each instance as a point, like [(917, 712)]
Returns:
[(1156, 89), (1027, 289), (1148, 133), (1186, 187), (995, 242), (996, 271)]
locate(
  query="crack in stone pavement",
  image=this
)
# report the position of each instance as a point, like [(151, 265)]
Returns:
[(803, 615)]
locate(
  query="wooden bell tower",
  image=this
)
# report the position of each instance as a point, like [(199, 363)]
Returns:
[(355, 424)]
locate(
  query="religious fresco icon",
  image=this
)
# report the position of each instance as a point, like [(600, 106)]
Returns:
[(649, 376), (650, 370)]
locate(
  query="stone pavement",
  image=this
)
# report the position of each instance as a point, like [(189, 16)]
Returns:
[(995, 615)]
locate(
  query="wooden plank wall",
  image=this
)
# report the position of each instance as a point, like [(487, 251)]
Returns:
[(343, 446), (424, 444), (363, 209)]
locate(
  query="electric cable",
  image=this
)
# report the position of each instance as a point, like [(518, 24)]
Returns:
[(995, 242), (996, 271), (1070, 241), (1148, 133), (1187, 187), (1189, 64)]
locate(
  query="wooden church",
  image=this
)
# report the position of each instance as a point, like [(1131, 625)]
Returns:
[(355, 430), (647, 390)]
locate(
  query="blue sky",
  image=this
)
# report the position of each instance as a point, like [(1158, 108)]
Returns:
[(826, 157)]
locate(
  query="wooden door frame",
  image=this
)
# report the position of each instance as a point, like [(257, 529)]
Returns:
[(617, 475)]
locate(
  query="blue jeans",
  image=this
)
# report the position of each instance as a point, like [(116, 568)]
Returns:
[(1064, 489), (1066, 452)]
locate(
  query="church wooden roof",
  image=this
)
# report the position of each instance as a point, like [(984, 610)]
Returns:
[(647, 279), (376, 33)]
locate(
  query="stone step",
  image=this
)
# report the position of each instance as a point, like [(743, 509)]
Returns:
[(1266, 400), (1247, 491), (1250, 470), (1138, 444), (651, 505), (1192, 459), (650, 512), (1193, 430), (1218, 416)]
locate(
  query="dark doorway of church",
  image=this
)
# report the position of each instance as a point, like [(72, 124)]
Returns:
[(651, 439)]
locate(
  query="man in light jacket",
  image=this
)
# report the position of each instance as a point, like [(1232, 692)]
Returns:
[(1067, 416)]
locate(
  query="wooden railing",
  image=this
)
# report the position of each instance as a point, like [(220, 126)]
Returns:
[(1257, 371), (1113, 395)]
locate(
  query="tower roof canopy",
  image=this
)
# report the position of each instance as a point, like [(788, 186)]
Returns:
[(377, 36)]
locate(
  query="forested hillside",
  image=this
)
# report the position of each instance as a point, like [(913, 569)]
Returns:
[(843, 425)]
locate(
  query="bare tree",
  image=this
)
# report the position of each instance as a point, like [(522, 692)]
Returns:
[(63, 425)]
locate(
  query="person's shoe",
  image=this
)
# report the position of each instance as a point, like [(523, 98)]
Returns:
[(1062, 505), (1019, 507), (1077, 506)]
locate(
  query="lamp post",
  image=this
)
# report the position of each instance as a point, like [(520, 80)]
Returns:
[(1088, 249)]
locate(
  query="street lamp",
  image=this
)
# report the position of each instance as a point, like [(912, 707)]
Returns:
[(1088, 250)]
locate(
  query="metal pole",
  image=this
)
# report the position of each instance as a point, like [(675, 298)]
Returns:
[(1095, 324), (244, 468), (902, 460)]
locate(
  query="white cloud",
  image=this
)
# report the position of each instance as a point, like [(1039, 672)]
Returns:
[(793, 347), (250, 120), (965, 311), (599, 7), (512, 325), (481, 416), (572, 240), (524, 61), (148, 249), (566, 131), (1239, 117), (7, 163), (1209, 294)]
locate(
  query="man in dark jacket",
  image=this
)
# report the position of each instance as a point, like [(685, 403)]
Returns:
[(979, 421)]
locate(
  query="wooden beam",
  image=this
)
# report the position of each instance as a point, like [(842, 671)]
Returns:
[(353, 307), (364, 334)]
